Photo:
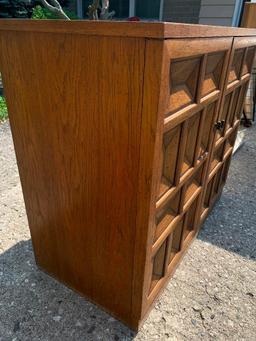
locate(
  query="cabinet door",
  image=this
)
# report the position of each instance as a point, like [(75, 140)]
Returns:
[(194, 77), (231, 108)]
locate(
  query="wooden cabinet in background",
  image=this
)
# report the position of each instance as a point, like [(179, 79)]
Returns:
[(123, 134), (249, 15)]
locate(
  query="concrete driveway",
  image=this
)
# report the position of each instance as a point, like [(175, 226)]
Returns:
[(211, 297)]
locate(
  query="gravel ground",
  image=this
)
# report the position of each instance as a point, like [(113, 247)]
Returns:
[(211, 297)]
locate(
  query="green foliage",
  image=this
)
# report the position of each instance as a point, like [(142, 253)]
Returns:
[(3, 109), (39, 13), (43, 13)]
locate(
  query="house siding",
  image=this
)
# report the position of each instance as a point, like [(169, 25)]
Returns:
[(185, 11), (217, 12)]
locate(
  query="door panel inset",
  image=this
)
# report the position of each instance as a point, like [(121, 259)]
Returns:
[(170, 149), (183, 82), (214, 65)]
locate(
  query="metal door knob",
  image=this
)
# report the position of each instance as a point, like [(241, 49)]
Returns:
[(219, 125)]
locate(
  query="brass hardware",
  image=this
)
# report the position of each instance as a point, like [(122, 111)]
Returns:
[(219, 125)]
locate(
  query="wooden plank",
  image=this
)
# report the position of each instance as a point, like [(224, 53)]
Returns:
[(159, 30)]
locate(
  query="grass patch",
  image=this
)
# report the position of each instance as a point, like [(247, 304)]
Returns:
[(3, 109)]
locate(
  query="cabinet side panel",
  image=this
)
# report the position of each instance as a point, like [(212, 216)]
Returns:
[(75, 111)]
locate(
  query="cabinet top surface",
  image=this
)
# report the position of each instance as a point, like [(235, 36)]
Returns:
[(157, 30)]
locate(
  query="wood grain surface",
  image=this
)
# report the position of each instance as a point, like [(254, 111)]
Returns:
[(75, 112), (123, 145), (143, 29), (249, 15)]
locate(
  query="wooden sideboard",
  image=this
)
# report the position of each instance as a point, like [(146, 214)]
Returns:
[(123, 134)]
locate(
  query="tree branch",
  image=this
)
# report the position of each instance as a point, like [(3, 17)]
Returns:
[(93, 10), (103, 10), (55, 8)]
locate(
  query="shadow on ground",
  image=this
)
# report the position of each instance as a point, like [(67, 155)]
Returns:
[(234, 232), (232, 223), (29, 296)]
